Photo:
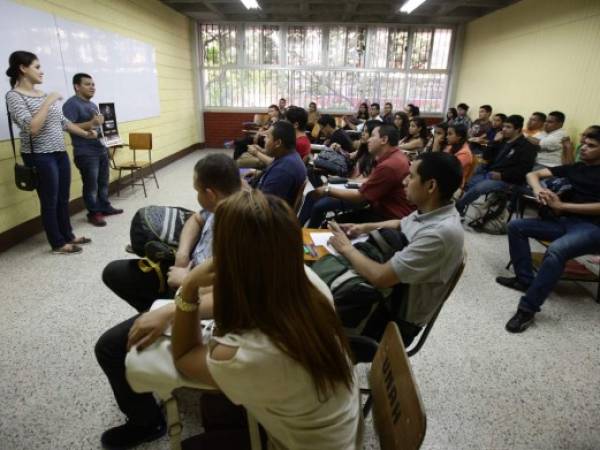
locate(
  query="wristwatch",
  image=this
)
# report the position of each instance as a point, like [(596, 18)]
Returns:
[(327, 190)]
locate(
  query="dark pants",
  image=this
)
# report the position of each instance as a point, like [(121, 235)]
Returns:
[(111, 349), (94, 171), (241, 146), (316, 210), (54, 174), (137, 288), (479, 184), (571, 237)]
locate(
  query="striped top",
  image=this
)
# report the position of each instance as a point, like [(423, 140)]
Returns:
[(50, 138)]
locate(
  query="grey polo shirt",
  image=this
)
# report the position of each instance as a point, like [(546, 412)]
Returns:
[(427, 263)]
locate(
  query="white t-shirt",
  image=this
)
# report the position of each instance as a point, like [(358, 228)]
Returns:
[(281, 396), (551, 148)]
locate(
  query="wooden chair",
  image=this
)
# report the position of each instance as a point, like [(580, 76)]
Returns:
[(137, 142), (398, 412)]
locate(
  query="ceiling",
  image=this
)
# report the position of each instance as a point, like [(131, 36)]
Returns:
[(337, 11)]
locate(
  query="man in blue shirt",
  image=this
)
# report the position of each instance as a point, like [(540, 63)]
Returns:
[(285, 175), (90, 155)]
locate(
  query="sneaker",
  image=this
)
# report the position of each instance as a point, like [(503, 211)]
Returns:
[(67, 249), (97, 219), (112, 212), (513, 283), (520, 321), (128, 436)]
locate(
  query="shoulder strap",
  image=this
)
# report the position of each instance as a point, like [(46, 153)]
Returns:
[(12, 138)]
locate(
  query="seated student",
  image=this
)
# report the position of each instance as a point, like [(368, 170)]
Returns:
[(412, 111), (333, 134), (479, 129), (388, 114), (497, 122), (509, 159), (459, 147), (383, 190), (284, 176), (282, 107), (535, 127), (439, 140), (551, 149), (572, 223), (451, 114), (215, 177), (280, 350), (255, 154), (418, 136), (462, 118), (374, 111), (401, 122), (241, 145), (573, 155), (362, 115), (313, 116), (434, 250), (362, 160)]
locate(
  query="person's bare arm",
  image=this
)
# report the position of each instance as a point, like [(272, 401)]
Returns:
[(533, 179), (356, 229), (413, 144), (256, 151), (188, 238)]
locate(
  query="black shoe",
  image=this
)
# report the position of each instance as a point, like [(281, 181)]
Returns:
[(128, 436), (520, 321), (513, 283), (112, 212)]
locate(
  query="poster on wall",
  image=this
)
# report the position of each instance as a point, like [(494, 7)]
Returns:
[(110, 131)]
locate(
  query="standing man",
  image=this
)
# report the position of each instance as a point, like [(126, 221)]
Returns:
[(90, 155)]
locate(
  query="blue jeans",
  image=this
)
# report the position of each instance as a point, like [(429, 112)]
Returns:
[(316, 209), (54, 174), (94, 174), (479, 184), (571, 237)]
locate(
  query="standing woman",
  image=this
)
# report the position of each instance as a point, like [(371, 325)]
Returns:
[(43, 146), (279, 348)]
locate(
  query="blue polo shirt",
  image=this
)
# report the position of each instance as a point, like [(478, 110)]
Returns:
[(78, 110), (283, 177)]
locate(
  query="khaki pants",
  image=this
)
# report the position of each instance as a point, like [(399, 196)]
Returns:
[(247, 161)]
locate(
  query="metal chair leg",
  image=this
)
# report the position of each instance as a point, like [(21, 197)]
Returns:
[(141, 175), (119, 183)]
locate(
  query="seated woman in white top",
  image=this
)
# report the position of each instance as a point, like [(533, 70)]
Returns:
[(279, 349)]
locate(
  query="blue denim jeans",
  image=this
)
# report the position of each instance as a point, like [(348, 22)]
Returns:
[(479, 184), (571, 237), (54, 174), (94, 175), (316, 209)]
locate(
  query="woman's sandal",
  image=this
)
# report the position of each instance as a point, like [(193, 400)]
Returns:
[(82, 240), (67, 249)]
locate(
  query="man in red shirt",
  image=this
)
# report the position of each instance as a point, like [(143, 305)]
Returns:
[(383, 191), (299, 118)]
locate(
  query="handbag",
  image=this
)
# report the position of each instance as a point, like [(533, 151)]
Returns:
[(26, 178)]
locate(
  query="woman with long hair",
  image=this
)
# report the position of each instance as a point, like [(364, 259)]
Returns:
[(279, 348), (401, 122), (451, 114), (42, 123), (458, 145), (438, 141), (418, 136), (362, 160)]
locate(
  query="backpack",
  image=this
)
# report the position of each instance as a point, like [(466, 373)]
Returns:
[(333, 162), (489, 215), (157, 223), (354, 297)]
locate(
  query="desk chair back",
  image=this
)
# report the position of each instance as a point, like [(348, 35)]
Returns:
[(398, 412), (299, 197)]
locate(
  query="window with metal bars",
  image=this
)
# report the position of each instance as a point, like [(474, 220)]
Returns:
[(338, 67)]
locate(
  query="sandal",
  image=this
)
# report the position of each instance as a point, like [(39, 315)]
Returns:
[(82, 240), (67, 249)]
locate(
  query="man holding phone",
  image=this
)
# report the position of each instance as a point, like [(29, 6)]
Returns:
[(90, 155)]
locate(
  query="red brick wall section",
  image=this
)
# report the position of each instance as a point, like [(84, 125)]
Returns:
[(220, 127)]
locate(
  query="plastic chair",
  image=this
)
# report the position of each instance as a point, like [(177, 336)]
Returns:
[(398, 412)]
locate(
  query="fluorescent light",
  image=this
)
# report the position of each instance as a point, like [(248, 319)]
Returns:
[(251, 4), (409, 6)]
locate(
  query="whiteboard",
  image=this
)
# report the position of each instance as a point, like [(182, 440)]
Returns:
[(124, 69)]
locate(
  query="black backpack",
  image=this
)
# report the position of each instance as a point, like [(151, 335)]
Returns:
[(354, 297), (159, 224)]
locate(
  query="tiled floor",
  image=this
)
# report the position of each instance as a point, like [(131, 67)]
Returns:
[(482, 387)]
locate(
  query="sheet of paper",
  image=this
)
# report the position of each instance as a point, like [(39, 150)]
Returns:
[(320, 239)]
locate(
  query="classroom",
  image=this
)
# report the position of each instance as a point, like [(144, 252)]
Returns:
[(310, 224)]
